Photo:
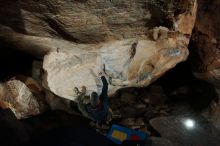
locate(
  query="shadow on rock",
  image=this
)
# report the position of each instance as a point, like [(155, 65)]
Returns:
[(10, 15)]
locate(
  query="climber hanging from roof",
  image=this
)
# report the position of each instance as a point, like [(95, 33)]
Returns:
[(95, 107)]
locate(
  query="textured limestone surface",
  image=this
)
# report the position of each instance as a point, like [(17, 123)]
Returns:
[(127, 63), (136, 40), (90, 21)]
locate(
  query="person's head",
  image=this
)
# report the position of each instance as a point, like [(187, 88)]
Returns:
[(94, 99), (83, 89)]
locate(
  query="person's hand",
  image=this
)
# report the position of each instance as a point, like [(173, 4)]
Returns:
[(76, 90), (101, 73)]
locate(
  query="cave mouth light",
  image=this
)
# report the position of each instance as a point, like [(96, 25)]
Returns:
[(189, 123)]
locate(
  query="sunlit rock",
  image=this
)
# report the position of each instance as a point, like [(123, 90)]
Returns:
[(127, 63), (136, 41)]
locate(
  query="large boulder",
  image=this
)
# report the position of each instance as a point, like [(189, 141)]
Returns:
[(128, 63), (16, 95), (137, 41)]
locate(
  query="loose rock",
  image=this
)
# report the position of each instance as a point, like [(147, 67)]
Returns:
[(17, 96)]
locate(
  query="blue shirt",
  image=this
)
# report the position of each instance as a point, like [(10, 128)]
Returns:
[(100, 112)]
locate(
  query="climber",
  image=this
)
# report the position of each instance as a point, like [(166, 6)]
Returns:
[(98, 108)]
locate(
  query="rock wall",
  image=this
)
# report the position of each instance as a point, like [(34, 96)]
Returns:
[(128, 63), (205, 51), (205, 38), (136, 40), (89, 21)]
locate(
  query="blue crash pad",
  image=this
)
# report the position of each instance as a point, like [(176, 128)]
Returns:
[(118, 134)]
